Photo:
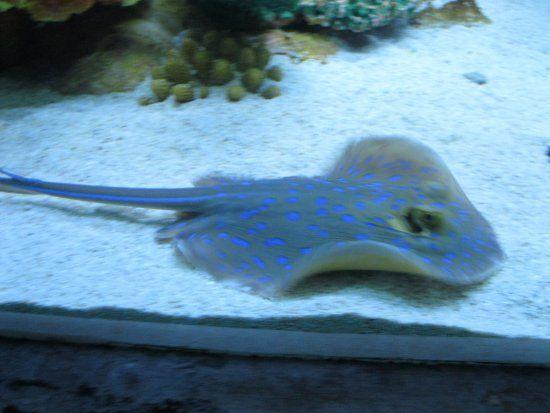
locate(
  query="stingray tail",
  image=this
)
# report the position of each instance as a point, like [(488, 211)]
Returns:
[(180, 199)]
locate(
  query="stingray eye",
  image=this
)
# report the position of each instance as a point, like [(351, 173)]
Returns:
[(420, 220)]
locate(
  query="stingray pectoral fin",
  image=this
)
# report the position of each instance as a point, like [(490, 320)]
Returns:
[(373, 256)]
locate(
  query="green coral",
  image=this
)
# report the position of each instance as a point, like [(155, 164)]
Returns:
[(178, 71), (221, 72), (229, 48), (204, 92), (355, 15), (57, 10), (183, 93), (161, 88), (252, 79), (189, 47), (247, 59), (262, 56), (202, 63), (235, 93), (275, 73), (271, 92)]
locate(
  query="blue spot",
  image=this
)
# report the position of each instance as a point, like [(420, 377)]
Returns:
[(240, 242), (244, 265), (395, 207), (258, 261), (272, 242), (252, 231), (348, 218), (221, 254), (370, 225), (322, 211), (368, 176), (207, 239), (242, 196), (322, 233), (282, 260), (361, 205), (265, 279), (367, 160), (379, 220), (269, 200), (351, 188), (288, 267), (313, 227), (322, 200), (293, 216), (438, 204), (401, 201), (427, 260), (249, 214), (395, 178), (220, 195), (223, 235), (261, 225), (306, 250), (338, 208), (292, 199), (293, 192), (361, 236), (309, 186), (338, 189)]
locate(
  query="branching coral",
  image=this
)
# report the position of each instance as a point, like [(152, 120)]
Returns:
[(355, 15), (57, 10)]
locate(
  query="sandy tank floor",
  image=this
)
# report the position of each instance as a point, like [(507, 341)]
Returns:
[(408, 82)]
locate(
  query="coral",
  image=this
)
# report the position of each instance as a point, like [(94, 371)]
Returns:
[(57, 10), (204, 92), (229, 48), (189, 47), (271, 92), (464, 12), (250, 13), (235, 93), (211, 40), (300, 46), (355, 15), (247, 59), (262, 56), (202, 63), (275, 73), (177, 71), (158, 72), (221, 72), (252, 79), (214, 58), (161, 89), (183, 93)]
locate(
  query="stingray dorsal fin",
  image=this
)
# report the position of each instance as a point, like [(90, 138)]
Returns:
[(393, 159)]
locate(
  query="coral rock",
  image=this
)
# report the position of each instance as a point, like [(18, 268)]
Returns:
[(183, 93), (271, 92), (161, 88), (252, 79), (57, 10), (275, 73), (235, 93), (221, 72), (178, 71)]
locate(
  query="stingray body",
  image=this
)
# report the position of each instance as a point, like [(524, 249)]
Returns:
[(389, 204)]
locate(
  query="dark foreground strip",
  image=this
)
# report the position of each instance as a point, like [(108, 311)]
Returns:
[(276, 343)]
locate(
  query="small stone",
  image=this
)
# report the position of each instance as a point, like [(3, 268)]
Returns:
[(161, 88), (476, 77)]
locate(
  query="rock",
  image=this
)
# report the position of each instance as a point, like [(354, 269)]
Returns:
[(476, 77)]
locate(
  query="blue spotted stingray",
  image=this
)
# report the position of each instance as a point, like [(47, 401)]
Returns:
[(389, 204)]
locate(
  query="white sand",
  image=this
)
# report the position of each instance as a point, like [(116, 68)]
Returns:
[(494, 138)]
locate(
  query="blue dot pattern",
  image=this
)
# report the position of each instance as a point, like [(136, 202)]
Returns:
[(266, 233)]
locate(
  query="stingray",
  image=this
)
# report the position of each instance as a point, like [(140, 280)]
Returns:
[(388, 204)]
